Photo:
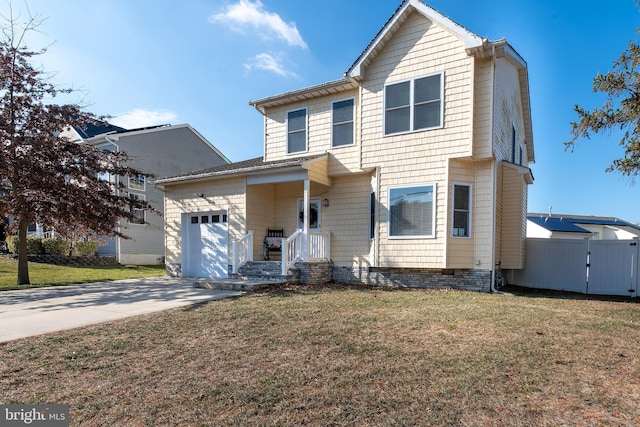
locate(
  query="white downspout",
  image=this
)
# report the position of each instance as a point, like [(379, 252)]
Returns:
[(492, 287), (117, 182)]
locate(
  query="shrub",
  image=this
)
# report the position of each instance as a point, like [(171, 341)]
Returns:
[(85, 247), (12, 244), (34, 244), (55, 246)]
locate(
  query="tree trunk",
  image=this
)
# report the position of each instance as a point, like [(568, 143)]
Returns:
[(23, 264)]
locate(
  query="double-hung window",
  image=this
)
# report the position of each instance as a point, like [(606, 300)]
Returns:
[(412, 211), (461, 210), (297, 131), (342, 122), (414, 104), (139, 214)]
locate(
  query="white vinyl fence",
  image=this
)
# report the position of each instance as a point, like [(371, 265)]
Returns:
[(602, 267)]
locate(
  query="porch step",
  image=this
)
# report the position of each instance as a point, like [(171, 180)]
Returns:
[(270, 271), (231, 284)]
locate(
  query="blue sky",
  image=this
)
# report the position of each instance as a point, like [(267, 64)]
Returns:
[(200, 61)]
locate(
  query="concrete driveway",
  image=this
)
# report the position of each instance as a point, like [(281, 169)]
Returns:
[(29, 312)]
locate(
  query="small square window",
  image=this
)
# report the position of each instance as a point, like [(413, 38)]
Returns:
[(215, 218), (204, 219), (136, 182), (224, 218), (194, 220)]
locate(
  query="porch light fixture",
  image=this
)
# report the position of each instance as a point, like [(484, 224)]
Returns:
[(325, 202)]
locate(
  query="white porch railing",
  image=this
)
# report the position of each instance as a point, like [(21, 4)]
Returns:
[(242, 251), (319, 246), (292, 250)]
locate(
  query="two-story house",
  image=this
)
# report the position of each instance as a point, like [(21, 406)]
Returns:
[(160, 151), (411, 170)]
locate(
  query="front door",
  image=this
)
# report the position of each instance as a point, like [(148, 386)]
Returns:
[(314, 214)]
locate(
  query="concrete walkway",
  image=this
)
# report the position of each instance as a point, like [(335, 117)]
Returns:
[(29, 312)]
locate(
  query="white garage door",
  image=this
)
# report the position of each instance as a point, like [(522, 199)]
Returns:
[(207, 239)]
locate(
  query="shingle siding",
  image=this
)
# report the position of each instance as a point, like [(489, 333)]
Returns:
[(417, 49)]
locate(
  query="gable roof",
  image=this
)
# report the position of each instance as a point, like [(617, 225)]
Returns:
[(91, 129), (392, 25), (571, 224), (476, 46)]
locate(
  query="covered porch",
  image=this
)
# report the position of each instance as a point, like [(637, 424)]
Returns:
[(288, 198)]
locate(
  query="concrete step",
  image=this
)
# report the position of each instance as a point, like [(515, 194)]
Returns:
[(232, 284)]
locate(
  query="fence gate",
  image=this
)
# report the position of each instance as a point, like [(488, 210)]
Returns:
[(603, 267)]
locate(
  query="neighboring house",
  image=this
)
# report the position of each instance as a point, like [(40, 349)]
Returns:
[(411, 170), (162, 151), (557, 226)]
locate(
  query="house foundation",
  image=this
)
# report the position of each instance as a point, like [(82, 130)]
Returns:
[(463, 279), (314, 273)]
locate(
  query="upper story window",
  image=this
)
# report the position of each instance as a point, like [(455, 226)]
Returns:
[(297, 131), (342, 119), (136, 182), (413, 105)]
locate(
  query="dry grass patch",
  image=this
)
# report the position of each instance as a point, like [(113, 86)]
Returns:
[(343, 357)]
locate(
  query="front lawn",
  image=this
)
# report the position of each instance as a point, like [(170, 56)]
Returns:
[(53, 275), (339, 356)]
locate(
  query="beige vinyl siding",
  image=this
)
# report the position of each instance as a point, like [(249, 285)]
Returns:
[(224, 194), (483, 216), (508, 112), (514, 219), (499, 211), (511, 190), (261, 214), (460, 250), (319, 127), (418, 48), (347, 218), (483, 89), (317, 172)]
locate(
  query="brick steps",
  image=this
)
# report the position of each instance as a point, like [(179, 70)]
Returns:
[(250, 277)]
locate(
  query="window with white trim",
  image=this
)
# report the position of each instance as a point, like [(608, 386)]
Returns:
[(461, 210), (414, 104), (136, 182), (372, 215), (412, 211), (342, 120), (139, 214), (297, 131)]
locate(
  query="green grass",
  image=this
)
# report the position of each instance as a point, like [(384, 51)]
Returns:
[(344, 356), (54, 275)]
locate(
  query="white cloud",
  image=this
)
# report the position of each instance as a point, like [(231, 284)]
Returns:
[(141, 118), (264, 61), (246, 13)]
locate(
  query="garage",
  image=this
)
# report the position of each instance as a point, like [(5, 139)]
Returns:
[(205, 237)]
